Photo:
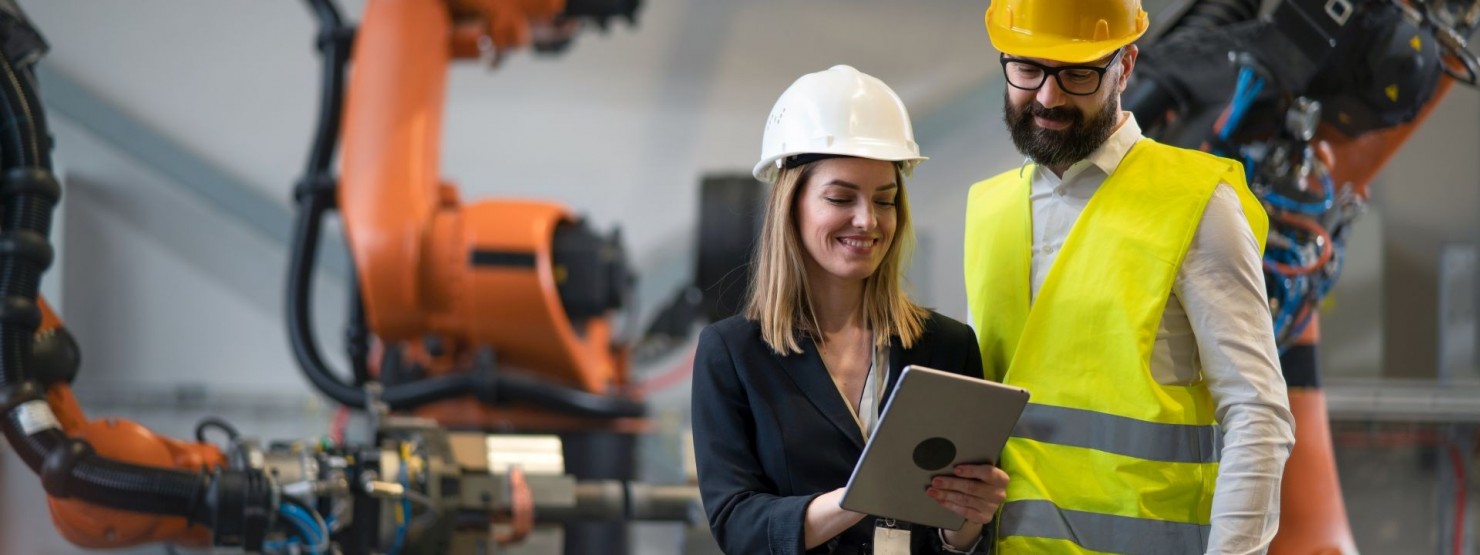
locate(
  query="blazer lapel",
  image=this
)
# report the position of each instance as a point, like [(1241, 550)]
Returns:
[(811, 376)]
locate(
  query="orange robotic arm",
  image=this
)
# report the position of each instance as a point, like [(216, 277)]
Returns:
[(93, 526), (523, 288), (479, 274)]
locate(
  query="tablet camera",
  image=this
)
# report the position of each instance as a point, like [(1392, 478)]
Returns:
[(934, 453)]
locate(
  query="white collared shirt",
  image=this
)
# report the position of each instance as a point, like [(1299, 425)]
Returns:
[(1216, 328)]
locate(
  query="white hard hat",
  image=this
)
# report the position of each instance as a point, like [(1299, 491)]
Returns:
[(840, 111)]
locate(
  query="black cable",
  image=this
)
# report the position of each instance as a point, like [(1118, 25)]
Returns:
[(218, 423), (334, 44), (300, 323), (513, 388), (314, 196), (357, 333), (23, 116), (42, 137), (11, 139), (1206, 15)]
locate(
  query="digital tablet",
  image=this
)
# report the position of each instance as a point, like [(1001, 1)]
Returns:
[(934, 421)]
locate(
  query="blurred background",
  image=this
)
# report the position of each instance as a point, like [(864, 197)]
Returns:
[(181, 128)]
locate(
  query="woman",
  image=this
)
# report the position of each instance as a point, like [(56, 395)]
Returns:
[(785, 394)]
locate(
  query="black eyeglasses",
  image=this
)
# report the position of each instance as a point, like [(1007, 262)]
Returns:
[(1075, 80)]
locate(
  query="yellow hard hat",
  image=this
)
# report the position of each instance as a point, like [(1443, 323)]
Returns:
[(1070, 31)]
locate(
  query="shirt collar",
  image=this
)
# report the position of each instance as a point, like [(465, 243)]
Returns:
[(1108, 156)]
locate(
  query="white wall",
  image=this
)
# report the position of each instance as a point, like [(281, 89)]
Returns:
[(1429, 196)]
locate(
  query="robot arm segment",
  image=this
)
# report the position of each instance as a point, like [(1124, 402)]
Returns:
[(427, 265)]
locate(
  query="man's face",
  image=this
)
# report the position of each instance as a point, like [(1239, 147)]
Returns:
[(1056, 128)]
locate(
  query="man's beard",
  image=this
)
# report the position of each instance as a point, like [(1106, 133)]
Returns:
[(1059, 148)]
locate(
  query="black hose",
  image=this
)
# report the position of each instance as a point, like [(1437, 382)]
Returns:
[(1206, 15), (300, 322), (357, 334), (217, 423), (314, 196), (23, 112), (31, 448), (12, 138), (42, 136), (157, 491), (68, 467), (513, 388), (29, 191), (334, 43)]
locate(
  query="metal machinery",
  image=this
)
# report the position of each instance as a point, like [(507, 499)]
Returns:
[(1314, 96), (466, 319)]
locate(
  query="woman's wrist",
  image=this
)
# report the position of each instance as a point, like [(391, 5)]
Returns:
[(963, 540), (825, 518)]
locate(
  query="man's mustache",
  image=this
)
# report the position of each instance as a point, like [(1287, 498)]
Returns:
[(1062, 113)]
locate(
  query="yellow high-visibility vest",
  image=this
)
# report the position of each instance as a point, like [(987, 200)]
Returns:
[(1105, 459)]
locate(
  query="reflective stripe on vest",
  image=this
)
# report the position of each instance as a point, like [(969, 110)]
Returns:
[(1100, 532), (1102, 446), (1122, 436)]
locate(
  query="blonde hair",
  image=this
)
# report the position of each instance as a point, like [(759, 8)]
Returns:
[(780, 294)]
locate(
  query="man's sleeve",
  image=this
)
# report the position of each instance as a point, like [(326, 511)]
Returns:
[(1221, 286)]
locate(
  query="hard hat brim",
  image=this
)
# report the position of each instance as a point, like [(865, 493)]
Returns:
[(1072, 52), (766, 169)]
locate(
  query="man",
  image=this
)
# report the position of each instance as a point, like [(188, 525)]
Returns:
[(1119, 280)]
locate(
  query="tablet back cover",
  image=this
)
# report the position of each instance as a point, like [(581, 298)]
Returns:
[(934, 421)]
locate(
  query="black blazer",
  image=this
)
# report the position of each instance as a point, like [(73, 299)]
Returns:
[(771, 433)]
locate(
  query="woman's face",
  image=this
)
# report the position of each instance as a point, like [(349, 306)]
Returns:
[(846, 216)]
